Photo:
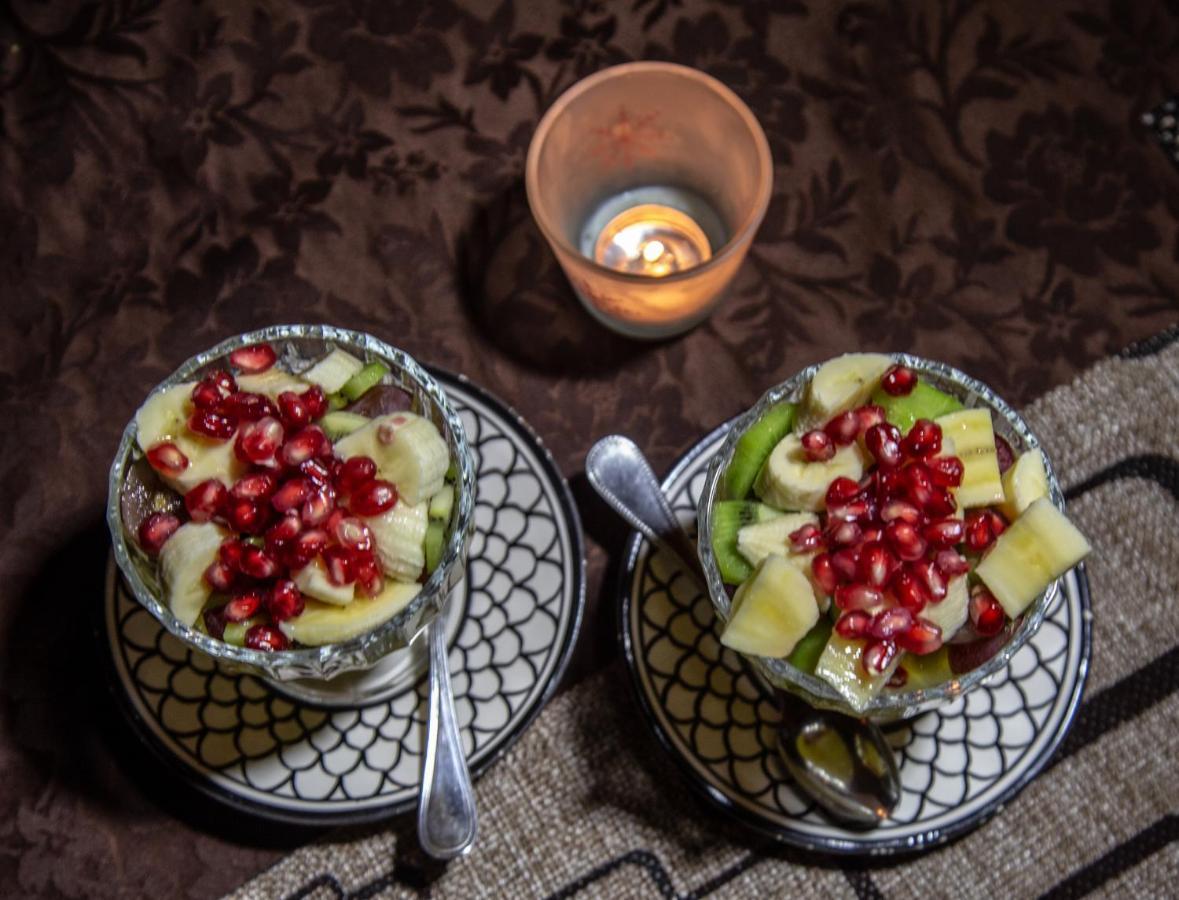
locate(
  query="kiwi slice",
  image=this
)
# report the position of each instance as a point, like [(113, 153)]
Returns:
[(806, 653), (754, 447), (728, 518), (435, 542), (338, 423), (366, 378), (927, 671), (923, 402)]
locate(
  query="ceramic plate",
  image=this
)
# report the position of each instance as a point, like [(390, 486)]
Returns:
[(511, 626), (959, 765)]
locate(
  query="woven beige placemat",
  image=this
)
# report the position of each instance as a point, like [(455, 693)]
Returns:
[(587, 803)]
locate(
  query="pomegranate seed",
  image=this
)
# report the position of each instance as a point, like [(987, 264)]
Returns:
[(846, 563), (206, 395), (223, 380), (319, 505), (305, 548), (951, 563), (876, 564), (909, 592), (247, 515), (861, 509), (315, 401), (946, 471), (900, 511), (857, 596), (905, 540), (844, 428), (258, 441), (922, 638), (266, 637), (824, 573), (917, 484), (872, 533), (205, 500), (219, 576), (292, 410), (884, 443), (979, 535), (354, 534), (878, 656), (869, 417), (941, 503), (818, 446), (258, 486), (888, 623), (284, 601), (841, 490), (282, 533), (215, 622), (254, 358), (843, 534), (805, 539), (210, 424), (986, 613), (898, 381), (373, 498), (247, 407), (155, 530), (355, 472), (243, 605), (1006, 456), (339, 562), (853, 624), (257, 564), (899, 678), (944, 532), (316, 472), (369, 578), (889, 483), (924, 439), (230, 553), (927, 573), (166, 458), (303, 446), (997, 522), (293, 493)]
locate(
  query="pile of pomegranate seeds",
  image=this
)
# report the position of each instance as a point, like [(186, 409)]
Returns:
[(888, 542), (296, 502)]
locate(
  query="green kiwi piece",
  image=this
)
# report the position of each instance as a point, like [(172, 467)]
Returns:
[(754, 447), (435, 542), (728, 518), (927, 671), (338, 423), (923, 402), (806, 653), (366, 378)]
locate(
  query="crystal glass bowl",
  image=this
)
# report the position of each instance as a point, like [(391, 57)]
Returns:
[(889, 705), (297, 347)]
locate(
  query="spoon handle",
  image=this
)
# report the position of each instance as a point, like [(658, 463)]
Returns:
[(447, 820), (619, 472)]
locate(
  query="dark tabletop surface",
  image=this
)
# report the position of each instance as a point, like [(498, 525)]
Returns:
[(963, 180)]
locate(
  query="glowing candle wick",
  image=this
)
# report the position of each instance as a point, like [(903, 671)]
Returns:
[(653, 251)]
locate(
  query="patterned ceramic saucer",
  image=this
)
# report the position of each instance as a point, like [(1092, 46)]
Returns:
[(959, 765), (511, 625)]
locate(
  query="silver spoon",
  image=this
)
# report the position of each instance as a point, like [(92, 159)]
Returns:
[(845, 764), (447, 821)]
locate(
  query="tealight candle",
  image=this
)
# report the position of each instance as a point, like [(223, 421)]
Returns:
[(649, 181)]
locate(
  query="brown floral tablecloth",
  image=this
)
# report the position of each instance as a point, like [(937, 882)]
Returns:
[(962, 179)]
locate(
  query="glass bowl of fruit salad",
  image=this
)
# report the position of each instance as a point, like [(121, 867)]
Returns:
[(296, 502), (882, 533)]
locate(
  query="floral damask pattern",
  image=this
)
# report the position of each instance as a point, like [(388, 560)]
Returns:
[(961, 179)]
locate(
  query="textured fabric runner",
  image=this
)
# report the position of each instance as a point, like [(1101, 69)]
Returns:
[(588, 804)]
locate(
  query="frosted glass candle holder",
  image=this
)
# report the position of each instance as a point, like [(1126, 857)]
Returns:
[(649, 181)]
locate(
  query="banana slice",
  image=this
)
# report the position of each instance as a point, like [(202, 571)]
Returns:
[(333, 371), (1037, 548), (206, 459), (313, 581), (756, 542), (949, 614), (1023, 484), (271, 383), (974, 443), (772, 611), (183, 560), (324, 623), (791, 481), (400, 534), (839, 384), (839, 666), (408, 451), (164, 415)]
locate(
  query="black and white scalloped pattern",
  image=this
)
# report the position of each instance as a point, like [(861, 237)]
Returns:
[(958, 764), (517, 615)]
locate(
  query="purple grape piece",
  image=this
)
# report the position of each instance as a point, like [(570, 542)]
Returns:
[(145, 493), (965, 657), (381, 400)]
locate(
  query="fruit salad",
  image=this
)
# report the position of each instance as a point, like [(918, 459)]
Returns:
[(880, 535), (287, 508)]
